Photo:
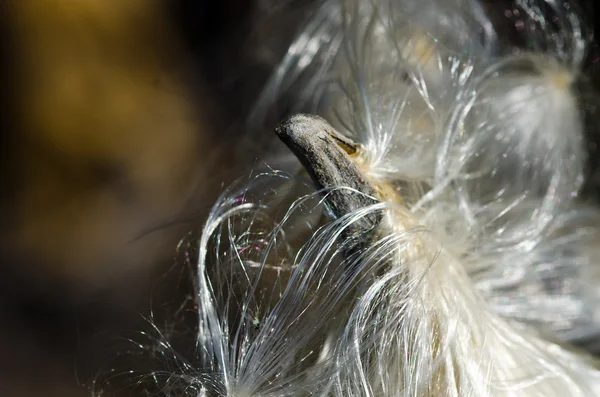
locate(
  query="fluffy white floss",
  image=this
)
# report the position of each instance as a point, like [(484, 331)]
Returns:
[(482, 266)]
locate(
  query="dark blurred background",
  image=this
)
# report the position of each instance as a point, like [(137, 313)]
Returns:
[(121, 122)]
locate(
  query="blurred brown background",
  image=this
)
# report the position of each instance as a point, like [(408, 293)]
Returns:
[(120, 119), (121, 122)]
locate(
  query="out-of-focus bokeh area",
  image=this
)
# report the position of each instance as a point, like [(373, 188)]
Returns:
[(121, 121)]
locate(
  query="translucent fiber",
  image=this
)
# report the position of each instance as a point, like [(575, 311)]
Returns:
[(485, 265)]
